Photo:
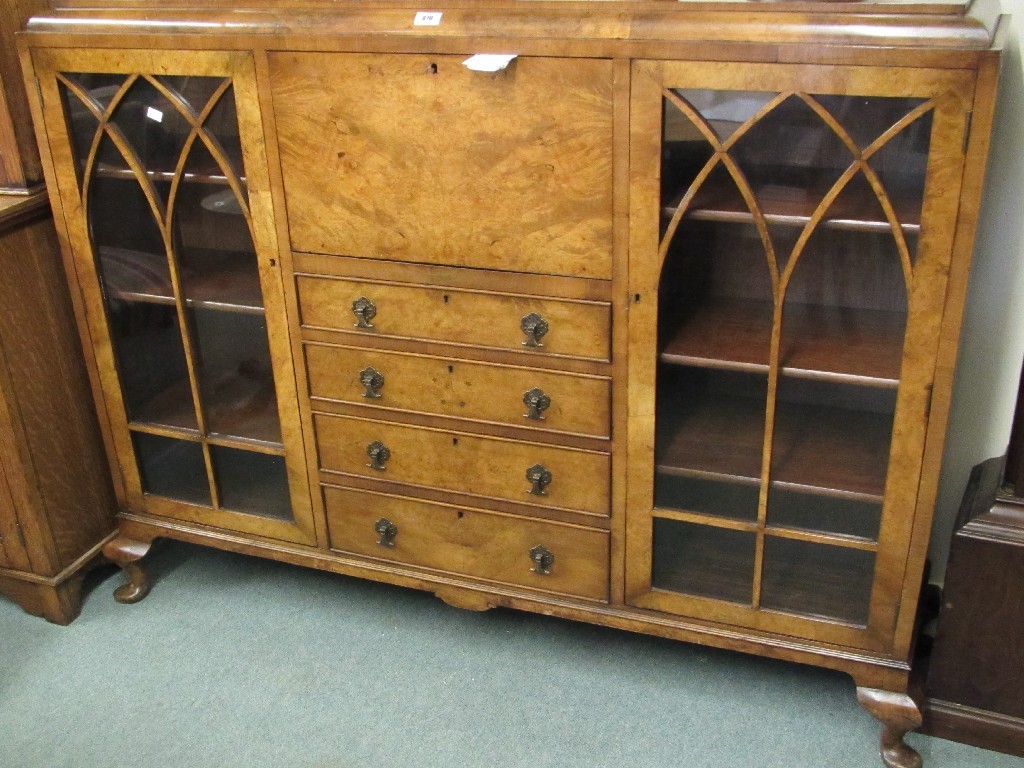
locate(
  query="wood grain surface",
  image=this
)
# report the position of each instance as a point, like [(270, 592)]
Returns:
[(420, 159), (474, 543)]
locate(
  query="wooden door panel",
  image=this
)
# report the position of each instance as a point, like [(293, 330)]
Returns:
[(420, 159)]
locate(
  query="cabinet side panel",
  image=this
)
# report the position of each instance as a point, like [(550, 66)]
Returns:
[(12, 553), (46, 373)]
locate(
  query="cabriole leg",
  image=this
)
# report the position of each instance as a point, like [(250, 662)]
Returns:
[(898, 714), (127, 553)]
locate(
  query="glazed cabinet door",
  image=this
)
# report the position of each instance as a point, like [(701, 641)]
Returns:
[(791, 233), (158, 159)]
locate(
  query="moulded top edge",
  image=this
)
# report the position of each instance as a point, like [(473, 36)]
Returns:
[(940, 7), (815, 23)]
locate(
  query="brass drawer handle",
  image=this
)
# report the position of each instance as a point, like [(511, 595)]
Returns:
[(534, 326), (539, 477), (386, 532), (542, 559), (536, 403), (364, 310), (379, 454), (372, 380)]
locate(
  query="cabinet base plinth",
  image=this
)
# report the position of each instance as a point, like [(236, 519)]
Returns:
[(57, 599), (58, 604)]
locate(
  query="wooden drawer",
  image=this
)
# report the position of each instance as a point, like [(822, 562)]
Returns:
[(471, 390), (574, 328), (483, 545), (417, 158), (489, 467)]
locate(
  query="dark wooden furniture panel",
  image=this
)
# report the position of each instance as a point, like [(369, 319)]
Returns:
[(56, 503), (976, 669)]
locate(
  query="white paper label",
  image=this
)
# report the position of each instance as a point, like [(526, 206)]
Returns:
[(489, 62), (427, 19), (154, 114)]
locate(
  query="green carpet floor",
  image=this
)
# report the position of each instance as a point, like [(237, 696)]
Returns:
[(233, 661)]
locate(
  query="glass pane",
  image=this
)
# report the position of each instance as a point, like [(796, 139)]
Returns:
[(703, 561), (82, 125), (709, 497), (811, 512), (832, 437), (193, 92), (710, 422), (817, 580), (222, 126), (866, 118), (100, 88), (715, 298), (212, 241), (153, 127), (235, 375), (120, 213), (902, 165), (252, 482), (172, 468), (136, 281), (724, 111), (791, 153), (845, 308), (151, 363)]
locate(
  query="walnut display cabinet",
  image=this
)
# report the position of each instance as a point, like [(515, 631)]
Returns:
[(652, 327)]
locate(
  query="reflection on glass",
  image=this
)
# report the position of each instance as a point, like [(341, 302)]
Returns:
[(172, 468), (212, 241), (127, 239), (703, 561), (235, 375), (817, 580), (154, 128), (251, 482)]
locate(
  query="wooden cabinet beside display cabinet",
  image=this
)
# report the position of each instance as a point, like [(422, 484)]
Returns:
[(652, 328), (56, 504)]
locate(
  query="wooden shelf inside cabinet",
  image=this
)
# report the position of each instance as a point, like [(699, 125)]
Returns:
[(715, 437), (170, 411), (241, 411), (817, 449), (223, 283), (243, 408), (838, 344), (212, 176), (793, 206)]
